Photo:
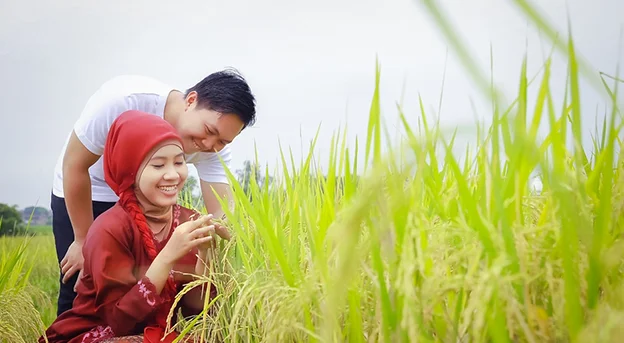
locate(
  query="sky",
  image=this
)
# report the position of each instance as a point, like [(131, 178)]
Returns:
[(308, 63)]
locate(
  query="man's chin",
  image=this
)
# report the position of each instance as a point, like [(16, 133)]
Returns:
[(189, 148)]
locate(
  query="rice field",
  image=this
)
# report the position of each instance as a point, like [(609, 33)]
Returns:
[(434, 250), (28, 286), (422, 246)]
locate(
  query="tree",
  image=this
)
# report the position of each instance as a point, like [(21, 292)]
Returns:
[(251, 169), (190, 195), (11, 222), (40, 215), (191, 185)]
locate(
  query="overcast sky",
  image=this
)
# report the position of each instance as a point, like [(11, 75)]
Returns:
[(308, 63)]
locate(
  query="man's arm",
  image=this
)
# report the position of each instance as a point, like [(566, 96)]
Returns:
[(77, 189), (77, 186), (210, 200)]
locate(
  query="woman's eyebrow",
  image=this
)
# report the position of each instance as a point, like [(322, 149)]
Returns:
[(164, 157)]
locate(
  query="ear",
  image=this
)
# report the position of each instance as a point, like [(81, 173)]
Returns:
[(191, 98)]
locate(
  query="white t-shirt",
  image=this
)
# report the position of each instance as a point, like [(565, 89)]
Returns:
[(114, 97)]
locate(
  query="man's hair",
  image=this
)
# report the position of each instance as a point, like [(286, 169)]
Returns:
[(227, 91)]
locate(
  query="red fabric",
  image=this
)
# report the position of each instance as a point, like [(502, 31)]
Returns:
[(132, 135), (114, 298), (110, 301)]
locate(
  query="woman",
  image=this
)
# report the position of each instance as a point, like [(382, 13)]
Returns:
[(128, 284)]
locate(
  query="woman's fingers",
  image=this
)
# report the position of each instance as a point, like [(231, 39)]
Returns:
[(203, 231), (223, 232), (198, 223), (201, 240), (206, 220), (211, 230)]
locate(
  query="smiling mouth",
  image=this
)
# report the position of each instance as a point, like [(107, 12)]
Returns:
[(168, 189), (196, 145)]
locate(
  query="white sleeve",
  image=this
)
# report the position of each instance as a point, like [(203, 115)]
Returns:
[(96, 119), (209, 167)]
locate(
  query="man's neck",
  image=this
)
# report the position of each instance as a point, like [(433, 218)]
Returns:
[(174, 105)]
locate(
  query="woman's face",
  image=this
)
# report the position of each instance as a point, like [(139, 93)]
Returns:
[(163, 175)]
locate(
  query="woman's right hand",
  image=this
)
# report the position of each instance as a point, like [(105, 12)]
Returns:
[(187, 236)]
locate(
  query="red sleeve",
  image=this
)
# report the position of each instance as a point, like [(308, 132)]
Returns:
[(122, 300)]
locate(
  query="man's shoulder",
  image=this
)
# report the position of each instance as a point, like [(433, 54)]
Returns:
[(114, 97)]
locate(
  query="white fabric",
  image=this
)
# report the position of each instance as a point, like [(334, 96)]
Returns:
[(114, 97)]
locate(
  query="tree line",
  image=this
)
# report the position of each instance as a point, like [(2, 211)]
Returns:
[(14, 221)]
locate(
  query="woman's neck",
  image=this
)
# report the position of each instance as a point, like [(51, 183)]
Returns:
[(156, 214), (158, 218)]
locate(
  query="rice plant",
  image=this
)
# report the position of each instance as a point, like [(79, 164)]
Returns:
[(20, 320), (431, 248), (423, 245)]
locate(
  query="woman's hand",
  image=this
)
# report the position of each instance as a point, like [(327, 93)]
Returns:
[(215, 228), (210, 243), (222, 230), (191, 234), (207, 251)]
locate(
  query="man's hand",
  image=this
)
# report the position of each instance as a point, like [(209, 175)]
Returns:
[(77, 187), (214, 208), (72, 262), (78, 280)]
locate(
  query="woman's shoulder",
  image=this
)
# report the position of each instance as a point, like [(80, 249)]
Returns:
[(114, 222)]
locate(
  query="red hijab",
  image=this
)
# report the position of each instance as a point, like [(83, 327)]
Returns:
[(132, 136)]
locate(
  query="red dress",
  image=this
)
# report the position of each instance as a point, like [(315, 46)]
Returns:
[(114, 298)]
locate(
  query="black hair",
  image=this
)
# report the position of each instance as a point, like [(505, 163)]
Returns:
[(227, 91)]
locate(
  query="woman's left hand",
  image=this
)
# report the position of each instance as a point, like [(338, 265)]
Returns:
[(214, 229), (222, 231)]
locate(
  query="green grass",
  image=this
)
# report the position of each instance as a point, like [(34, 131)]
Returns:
[(40, 230), (22, 303), (44, 275), (28, 285), (436, 250)]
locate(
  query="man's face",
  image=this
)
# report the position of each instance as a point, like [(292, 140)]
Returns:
[(204, 130)]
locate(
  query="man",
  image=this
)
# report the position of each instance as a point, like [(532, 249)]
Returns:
[(207, 116)]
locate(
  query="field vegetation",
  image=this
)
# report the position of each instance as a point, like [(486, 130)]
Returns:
[(423, 245)]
